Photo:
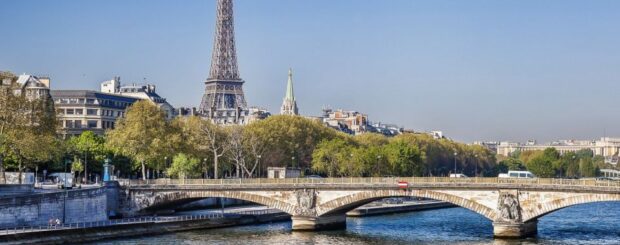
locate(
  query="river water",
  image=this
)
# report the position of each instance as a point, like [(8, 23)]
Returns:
[(597, 223)]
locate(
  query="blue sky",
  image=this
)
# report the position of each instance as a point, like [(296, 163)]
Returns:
[(478, 70)]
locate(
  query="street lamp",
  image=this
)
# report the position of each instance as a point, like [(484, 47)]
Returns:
[(259, 167), (293, 161), (455, 163), (204, 160), (64, 199), (476, 156)]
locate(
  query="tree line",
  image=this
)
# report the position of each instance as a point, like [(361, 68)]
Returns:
[(549, 163)]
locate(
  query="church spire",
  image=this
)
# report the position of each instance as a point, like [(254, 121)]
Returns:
[(289, 105), (289, 86)]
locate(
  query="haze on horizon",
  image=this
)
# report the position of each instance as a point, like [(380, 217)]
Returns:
[(477, 70)]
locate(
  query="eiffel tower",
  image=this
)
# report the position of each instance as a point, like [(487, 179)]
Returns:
[(223, 101)]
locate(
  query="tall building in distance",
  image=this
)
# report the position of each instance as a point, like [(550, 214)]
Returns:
[(224, 101), (289, 105)]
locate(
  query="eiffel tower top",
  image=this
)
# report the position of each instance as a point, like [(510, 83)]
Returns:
[(224, 57)]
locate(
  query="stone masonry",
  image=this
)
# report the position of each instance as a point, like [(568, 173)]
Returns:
[(513, 209), (38, 209)]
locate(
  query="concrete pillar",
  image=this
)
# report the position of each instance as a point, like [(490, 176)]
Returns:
[(332, 222), (515, 230)]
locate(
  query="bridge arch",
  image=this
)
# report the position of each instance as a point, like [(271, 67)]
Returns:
[(349, 202), (542, 209), (145, 201)]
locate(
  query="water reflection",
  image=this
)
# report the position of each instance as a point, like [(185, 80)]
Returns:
[(583, 224)]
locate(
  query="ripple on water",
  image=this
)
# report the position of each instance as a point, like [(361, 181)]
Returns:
[(596, 223)]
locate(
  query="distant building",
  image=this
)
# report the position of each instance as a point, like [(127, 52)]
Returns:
[(386, 129), (351, 122), (283, 172), (141, 91), (289, 104), (83, 110), (33, 87), (436, 134), (256, 114), (607, 147), (491, 145)]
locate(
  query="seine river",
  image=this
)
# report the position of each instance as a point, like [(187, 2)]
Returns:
[(597, 223)]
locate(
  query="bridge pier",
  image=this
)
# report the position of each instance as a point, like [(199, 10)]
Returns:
[(332, 222), (515, 230)]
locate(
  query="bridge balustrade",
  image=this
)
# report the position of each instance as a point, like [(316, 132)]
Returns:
[(373, 181)]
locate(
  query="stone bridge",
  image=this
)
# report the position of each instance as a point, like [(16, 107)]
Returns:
[(513, 205)]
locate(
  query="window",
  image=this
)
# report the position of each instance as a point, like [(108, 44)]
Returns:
[(79, 111), (78, 123), (92, 124), (90, 101), (514, 175), (68, 124), (522, 175), (91, 112), (70, 112)]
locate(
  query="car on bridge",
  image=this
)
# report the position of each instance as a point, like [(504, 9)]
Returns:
[(517, 174)]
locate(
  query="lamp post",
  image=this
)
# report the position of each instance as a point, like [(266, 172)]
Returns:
[(259, 167), (476, 156), (204, 160), (64, 199), (455, 163), (378, 160), (293, 161)]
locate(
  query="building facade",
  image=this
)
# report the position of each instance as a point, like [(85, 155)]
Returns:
[(289, 104), (140, 91), (606, 147), (83, 110)]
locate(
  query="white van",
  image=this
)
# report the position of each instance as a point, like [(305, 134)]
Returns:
[(518, 174), (458, 176)]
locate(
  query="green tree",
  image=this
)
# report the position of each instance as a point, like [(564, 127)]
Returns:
[(88, 144), (541, 166), (329, 156), (285, 137), (141, 135), (184, 166), (78, 167), (512, 164), (204, 138), (404, 159), (587, 168), (27, 128)]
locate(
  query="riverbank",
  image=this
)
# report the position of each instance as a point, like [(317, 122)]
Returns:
[(184, 221), (141, 227), (408, 206)]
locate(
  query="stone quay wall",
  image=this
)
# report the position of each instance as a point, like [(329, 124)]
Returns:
[(11, 190), (38, 209)]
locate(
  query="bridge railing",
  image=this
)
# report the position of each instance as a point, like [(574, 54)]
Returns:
[(373, 181), (107, 223)]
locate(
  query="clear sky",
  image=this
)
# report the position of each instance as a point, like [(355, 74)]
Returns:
[(477, 70)]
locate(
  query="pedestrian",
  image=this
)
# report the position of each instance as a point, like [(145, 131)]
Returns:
[(58, 221), (50, 222)]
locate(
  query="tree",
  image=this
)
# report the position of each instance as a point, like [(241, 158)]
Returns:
[(88, 144), (285, 137), (204, 137), (184, 166), (541, 166), (329, 155), (27, 128), (404, 159), (142, 135), (587, 168), (512, 164), (78, 167)]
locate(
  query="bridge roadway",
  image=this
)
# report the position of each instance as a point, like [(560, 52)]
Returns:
[(513, 205)]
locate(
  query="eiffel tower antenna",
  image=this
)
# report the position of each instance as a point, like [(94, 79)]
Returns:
[(224, 100)]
